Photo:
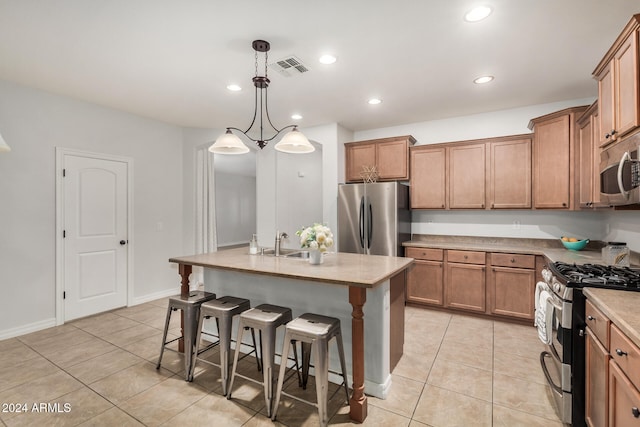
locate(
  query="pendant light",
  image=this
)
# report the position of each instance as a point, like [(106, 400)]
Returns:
[(292, 142), (4, 147)]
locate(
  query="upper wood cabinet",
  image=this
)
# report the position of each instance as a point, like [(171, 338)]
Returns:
[(553, 158), (492, 173), (428, 177), (588, 159), (509, 173), (618, 78), (390, 156), (467, 176)]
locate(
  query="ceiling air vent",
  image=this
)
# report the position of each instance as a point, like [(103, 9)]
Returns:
[(289, 66)]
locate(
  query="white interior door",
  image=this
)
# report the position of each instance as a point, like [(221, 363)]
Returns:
[(95, 239)]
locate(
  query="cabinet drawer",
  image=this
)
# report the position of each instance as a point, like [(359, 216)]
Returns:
[(428, 254), (513, 260), (598, 323), (626, 355), (466, 257)]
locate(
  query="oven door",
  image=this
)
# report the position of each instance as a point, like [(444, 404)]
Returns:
[(555, 361)]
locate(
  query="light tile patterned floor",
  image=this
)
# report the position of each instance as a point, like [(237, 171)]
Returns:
[(456, 371)]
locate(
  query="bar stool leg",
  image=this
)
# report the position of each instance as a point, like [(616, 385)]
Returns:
[(197, 346), (164, 335), (190, 317), (283, 368), (343, 364), (321, 360), (225, 346), (269, 348), (236, 354), (306, 362)]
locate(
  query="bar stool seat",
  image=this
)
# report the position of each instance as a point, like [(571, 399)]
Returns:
[(266, 318), (190, 305), (315, 332), (223, 309)]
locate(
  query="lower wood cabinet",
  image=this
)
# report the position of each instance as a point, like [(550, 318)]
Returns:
[(596, 382), (460, 280), (512, 285), (425, 283), (612, 373), (466, 281)]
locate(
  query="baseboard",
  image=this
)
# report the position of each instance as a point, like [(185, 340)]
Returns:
[(156, 295), (27, 329)]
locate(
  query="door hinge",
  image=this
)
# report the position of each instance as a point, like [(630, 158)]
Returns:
[(64, 295), (64, 173), (64, 234)]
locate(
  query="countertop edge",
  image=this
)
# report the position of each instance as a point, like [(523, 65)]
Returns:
[(619, 307)]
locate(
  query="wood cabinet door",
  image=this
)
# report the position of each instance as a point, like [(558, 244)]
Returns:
[(357, 156), (425, 283), (510, 174), (512, 292), (624, 399), (467, 176), (596, 382), (626, 86), (465, 287), (551, 156), (586, 173), (393, 160), (428, 184), (606, 105)]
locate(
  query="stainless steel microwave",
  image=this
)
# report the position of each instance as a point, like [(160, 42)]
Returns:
[(620, 173)]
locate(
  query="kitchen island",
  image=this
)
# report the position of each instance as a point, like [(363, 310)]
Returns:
[(343, 279)]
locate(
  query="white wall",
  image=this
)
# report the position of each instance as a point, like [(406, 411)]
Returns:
[(33, 123)]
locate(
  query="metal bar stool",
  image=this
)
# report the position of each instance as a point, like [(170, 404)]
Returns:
[(315, 331), (223, 309), (190, 306), (265, 318)]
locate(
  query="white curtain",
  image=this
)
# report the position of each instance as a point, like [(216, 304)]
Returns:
[(206, 239)]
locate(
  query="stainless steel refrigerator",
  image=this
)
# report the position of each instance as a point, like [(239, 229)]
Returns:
[(373, 218)]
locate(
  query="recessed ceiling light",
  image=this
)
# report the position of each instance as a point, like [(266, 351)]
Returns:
[(234, 88), (296, 116), (374, 101), (477, 14), (327, 59), (483, 79)]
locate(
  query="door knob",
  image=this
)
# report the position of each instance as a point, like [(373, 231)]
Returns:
[(123, 242)]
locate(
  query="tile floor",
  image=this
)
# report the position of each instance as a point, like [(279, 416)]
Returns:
[(100, 371)]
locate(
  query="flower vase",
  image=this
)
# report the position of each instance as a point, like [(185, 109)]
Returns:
[(315, 257)]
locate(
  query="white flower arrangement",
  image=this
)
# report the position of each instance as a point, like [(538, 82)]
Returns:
[(316, 237)]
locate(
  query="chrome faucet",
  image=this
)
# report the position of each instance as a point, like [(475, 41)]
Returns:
[(279, 237)]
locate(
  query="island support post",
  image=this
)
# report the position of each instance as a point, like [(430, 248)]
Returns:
[(358, 401), (185, 271)]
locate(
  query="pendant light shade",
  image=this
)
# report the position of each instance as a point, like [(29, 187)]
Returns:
[(295, 142), (4, 147), (228, 143)]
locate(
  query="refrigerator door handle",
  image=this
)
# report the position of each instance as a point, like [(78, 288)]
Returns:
[(361, 222), (370, 227)]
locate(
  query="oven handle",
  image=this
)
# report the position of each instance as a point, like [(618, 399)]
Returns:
[(625, 157), (546, 372), (556, 305)]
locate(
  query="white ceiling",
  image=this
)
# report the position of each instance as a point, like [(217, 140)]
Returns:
[(171, 60)]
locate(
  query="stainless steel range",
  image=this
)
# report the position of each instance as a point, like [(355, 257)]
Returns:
[(560, 318)]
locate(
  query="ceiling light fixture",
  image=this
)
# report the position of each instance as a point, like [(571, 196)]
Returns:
[(234, 88), (477, 14), (296, 117), (483, 79), (327, 59), (4, 147), (374, 101), (292, 142)]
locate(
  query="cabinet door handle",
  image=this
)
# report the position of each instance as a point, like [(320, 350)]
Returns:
[(620, 352), (635, 411), (465, 257), (613, 132), (591, 318), (513, 260)]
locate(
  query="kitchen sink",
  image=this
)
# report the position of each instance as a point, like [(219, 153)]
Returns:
[(287, 253)]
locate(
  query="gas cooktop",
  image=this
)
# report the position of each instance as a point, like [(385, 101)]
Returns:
[(596, 275)]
